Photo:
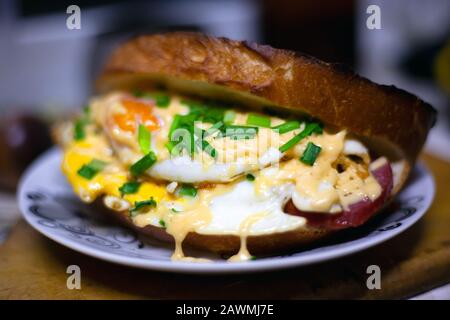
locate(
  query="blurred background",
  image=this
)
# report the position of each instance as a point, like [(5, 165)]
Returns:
[(47, 70)]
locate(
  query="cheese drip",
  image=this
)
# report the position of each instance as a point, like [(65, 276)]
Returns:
[(320, 187), (244, 254)]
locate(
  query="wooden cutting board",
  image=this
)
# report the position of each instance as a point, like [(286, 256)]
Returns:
[(33, 267)]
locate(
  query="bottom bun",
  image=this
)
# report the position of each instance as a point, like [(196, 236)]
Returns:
[(224, 244)]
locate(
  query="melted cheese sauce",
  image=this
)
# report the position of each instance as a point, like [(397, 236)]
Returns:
[(234, 157), (244, 254), (234, 206)]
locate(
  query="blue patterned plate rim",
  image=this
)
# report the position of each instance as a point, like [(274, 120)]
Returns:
[(48, 204)]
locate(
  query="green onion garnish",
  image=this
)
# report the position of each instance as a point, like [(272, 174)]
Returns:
[(170, 145), (89, 170), (240, 132), (138, 205), (213, 129), (208, 148), (78, 130), (144, 139), (310, 154), (229, 116), (97, 164), (204, 111), (204, 145), (79, 127), (129, 187), (162, 223), (143, 164), (287, 127), (175, 210), (162, 100), (250, 177), (258, 120), (187, 190), (309, 129), (175, 122), (198, 111)]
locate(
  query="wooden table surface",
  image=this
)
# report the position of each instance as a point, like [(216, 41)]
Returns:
[(33, 267)]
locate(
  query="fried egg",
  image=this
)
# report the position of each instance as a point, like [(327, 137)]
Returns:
[(234, 157)]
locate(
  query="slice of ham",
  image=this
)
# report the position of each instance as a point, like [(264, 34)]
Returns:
[(358, 213)]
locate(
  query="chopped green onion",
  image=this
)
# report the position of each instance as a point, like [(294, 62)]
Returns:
[(170, 145), (250, 177), (78, 130), (213, 129), (97, 164), (138, 205), (258, 120), (185, 122), (79, 127), (197, 112), (144, 139), (175, 210), (240, 132), (89, 170), (310, 154), (162, 223), (143, 164), (229, 116), (204, 145), (162, 100), (175, 123), (253, 258), (208, 148), (309, 129), (187, 190), (129, 187), (205, 112), (287, 127)]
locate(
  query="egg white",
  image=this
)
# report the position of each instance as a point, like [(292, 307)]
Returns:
[(188, 170), (231, 209)]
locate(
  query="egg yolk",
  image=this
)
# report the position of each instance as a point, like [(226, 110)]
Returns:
[(137, 112)]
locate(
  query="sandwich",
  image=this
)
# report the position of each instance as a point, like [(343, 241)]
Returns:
[(238, 148)]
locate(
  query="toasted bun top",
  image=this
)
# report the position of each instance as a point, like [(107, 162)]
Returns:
[(389, 119)]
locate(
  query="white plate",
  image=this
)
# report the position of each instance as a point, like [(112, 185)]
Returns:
[(49, 205)]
